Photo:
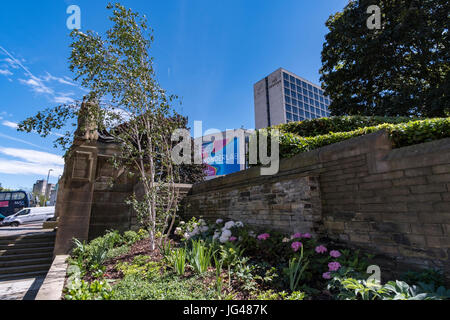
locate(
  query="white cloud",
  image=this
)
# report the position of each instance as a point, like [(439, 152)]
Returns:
[(5, 72), (50, 77), (37, 85), (33, 156), (31, 162), (25, 168), (63, 100), (10, 124)]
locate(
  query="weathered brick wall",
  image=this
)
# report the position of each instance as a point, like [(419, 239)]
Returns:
[(393, 202)]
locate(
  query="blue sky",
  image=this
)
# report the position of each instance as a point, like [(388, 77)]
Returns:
[(209, 53)]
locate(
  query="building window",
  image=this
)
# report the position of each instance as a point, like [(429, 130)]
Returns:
[(316, 90), (288, 116), (287, 91), (309, 87), (288, 108), (294, 102), (293, 86), (287, 99), (307, 115), (292, 78), (285, 76), (295, 117)]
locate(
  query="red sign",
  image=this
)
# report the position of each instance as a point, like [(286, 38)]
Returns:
[(4, 204)]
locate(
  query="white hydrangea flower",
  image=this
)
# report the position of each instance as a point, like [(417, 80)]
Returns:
[(182, 223), (177, 230), (229, 224), (252, 234), (195, 231), (226, 233), (216, 235), (218, 221), (186, 236), (204, 228), (223, 239), (239, 224)]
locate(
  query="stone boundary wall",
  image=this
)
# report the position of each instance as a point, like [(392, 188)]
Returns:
[(391, 202)]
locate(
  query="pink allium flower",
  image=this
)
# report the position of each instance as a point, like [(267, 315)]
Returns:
[(296, 245), (306, 236), (263, 236), (321, 249), (326, 275), (296, 235), (334, 266), (335, 253), (232, 238)]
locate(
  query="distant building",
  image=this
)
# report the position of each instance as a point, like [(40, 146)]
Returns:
[(51, 187), (40, 187), (283, 96)]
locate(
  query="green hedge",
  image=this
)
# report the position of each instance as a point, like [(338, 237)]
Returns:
[(321, 126), (401, 134)]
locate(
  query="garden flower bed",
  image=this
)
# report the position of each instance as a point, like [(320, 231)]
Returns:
[(227, 260)]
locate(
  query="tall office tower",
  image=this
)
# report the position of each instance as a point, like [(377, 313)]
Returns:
[(283, 97)]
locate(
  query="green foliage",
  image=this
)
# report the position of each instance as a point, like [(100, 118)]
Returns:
[(349, 288), (282, 295), (141, 266), (295, 270), (177, 260), (200, 256), (401, 135), (430, 276), (82, 290), (321, 126), (90, 256), (401, 69), (164, 287)]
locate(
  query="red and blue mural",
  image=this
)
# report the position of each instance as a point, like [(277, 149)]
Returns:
[(217, 153)]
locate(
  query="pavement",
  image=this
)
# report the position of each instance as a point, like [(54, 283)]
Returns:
[(23, 289), (28, 229)]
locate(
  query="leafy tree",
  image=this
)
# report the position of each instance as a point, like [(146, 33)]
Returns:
[(402, 69), (127, 103)]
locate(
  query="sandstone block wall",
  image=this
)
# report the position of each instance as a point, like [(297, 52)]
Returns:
[(392, 202)]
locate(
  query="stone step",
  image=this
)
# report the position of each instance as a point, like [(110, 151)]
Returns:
[(12, 250), (27, 239), (24, 262), (23, 275), (26, 256), (26, 245), (25, 269)]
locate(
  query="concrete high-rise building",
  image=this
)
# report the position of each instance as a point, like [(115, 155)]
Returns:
[(40, 187), (282, 97)]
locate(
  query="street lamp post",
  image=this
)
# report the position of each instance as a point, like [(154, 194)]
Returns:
[(46, 186)]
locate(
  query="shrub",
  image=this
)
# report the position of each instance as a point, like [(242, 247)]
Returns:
[(429, 276), (82, 290), (401, 135), (321, 126)]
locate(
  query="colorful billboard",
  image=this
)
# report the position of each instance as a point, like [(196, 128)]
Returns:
[(221, 156)]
